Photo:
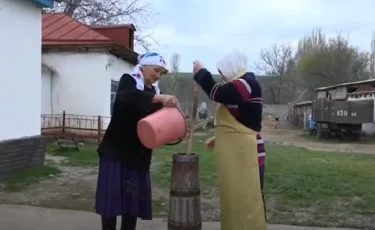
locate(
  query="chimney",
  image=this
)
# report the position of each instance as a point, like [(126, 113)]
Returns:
[(122, 34)]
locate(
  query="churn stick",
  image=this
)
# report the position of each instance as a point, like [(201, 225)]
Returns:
[(194, 117)]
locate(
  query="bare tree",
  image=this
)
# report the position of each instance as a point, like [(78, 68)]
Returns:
[(175, 69), (170, 81), (372, 62), (110, 12), (277, 63)]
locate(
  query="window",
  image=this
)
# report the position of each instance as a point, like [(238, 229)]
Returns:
[(114, 86)]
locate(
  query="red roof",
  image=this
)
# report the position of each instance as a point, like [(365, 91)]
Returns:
[(62, 30), (122, 34), (131, 26)]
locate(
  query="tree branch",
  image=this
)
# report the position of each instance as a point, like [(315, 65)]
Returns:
[(110, 12)]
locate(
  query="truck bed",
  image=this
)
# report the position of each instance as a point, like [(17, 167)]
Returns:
[(343, 112)]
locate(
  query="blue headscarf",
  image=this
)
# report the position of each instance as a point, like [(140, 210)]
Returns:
[(147, 59)]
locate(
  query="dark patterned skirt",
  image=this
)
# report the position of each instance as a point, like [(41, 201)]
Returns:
[(122, 191), (262, 171)]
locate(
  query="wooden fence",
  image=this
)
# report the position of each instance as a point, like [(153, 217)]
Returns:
[(79, 126), (298, 115)]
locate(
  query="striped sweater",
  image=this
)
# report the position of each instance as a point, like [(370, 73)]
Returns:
[(261, 150), (243, 99)]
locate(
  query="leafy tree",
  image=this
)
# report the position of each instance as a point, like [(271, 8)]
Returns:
[(325, 61)]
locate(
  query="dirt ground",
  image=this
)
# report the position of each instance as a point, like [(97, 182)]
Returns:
[(75, 187), (285, 136)]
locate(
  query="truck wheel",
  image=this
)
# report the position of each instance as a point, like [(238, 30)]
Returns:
[(319, 133), (355, 136), (340, 136)]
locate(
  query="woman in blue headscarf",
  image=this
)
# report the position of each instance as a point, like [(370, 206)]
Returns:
[(124, 182)]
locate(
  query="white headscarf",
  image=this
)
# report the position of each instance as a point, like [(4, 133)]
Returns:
[(203, 107), (148, 59), (232, 65)]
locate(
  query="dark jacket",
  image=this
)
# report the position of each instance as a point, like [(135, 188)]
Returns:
[(121, 141)]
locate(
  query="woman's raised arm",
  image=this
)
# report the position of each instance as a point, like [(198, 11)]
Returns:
[(231, 93)]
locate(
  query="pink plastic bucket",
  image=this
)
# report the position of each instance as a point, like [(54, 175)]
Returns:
[(162, 127)]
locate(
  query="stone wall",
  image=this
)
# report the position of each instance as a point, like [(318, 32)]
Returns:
[(21, 153), (275, 111)]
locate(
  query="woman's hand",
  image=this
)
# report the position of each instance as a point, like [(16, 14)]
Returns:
[(170, 101), (197, 66), (210, 143), (167, 100)]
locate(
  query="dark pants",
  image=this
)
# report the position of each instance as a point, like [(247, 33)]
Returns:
[(262, 170), (127, 223)]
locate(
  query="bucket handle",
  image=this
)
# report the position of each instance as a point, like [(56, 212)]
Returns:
[(176, 143), (183, 114)]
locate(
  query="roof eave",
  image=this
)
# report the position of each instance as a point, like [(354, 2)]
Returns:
[(129, 25), (345, 84), (43, 3), (113, 48), (76, 42), (125, 53)]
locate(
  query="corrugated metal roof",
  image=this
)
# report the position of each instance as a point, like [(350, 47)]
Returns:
[(345, 84), (121, 34), (62, 29), (303, 103)]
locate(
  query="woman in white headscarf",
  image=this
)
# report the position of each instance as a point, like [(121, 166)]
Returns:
[(124, 187), (237, 124)]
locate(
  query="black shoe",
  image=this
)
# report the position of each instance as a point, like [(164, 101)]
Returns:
[(128, 222), (109, 223)]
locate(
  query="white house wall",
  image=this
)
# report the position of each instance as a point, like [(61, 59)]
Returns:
[(81, 83), (116, 67), (20, 72), (46, 92)]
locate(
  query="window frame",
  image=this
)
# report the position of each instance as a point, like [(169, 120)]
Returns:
[(114, 87)]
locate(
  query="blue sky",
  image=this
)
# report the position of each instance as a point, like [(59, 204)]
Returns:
[(205, 30)]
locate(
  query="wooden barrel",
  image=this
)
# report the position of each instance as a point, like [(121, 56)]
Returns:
[(184, 203)]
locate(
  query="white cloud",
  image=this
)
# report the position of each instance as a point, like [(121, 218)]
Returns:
[(170, 36)]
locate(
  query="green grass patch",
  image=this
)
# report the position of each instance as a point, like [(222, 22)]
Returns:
[(159, 206), (163, 162), (23, 178), (332, 188), (301, 174), (302, 186), (85, 157)]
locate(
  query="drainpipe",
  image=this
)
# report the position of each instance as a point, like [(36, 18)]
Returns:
[(51, 91)]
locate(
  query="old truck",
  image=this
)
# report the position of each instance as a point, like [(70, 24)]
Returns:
[(341, 118)]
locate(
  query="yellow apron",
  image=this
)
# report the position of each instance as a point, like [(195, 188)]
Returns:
[(238, 174)]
